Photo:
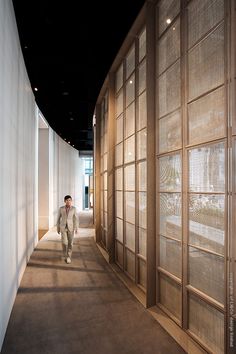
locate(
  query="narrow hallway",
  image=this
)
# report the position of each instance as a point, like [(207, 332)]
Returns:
[(79, 308)]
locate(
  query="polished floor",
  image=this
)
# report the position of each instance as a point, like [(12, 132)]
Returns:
[(80, 308)]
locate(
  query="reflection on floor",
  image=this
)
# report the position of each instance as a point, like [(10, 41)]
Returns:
[(80, 307)]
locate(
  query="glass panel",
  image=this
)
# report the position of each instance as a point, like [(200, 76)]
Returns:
[(130, 62), (130, 90), (170, 295), (142, 210), (207, 324), (130, 207), (130, 263), (119, 179), (207, 221), (142, 77), (142, 45), (206, 64), (119, 154), (130, 149), (119, 229), (142, 273), (169, 90), (169, 47), (202, 16), (119, 78), (119, 103), (119, 129), (119, 253), (207, 169), (170, 173), (130, 120), (130, 236), (119, 204), (168, 10), (206, 117), (142, 242), (206, 273), (170, 132), (142, 144), (170, 215), (142, 111), (142, 176), (170, 256), (130, 177)]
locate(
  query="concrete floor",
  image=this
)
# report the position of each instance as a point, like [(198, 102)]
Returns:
[(80, 308)]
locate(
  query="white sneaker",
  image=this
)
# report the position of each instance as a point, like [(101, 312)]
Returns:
[(68, 260)]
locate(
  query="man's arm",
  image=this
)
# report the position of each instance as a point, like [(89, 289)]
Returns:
[(76, 220)]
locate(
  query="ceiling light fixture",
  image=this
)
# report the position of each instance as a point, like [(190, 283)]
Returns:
[(168, 21), (35, 89)]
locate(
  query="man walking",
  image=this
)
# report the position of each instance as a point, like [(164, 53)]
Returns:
[(67, 224)]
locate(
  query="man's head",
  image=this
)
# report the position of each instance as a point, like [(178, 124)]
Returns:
[(68, 200)]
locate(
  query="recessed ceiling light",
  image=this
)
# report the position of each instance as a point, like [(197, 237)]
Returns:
[(168, 21), (71, 118), (65, 93), (35, 89)]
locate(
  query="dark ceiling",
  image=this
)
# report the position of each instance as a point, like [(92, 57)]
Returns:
[(68, 49)]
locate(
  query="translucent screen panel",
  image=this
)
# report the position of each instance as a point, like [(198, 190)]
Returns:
[(142, 242), (119, 154), (105, 200), (207, 221), (202, 16), (130, 149), (130, 120), (168, 10), (206, 118), (119, 179), (142, 273), (206, 273), (119, 229), (105, 180), (130, 90), (130, 177), (130, 236), (119, 204), (207, 324), (105, 163), (119, 103), (130, 263), (105, 220), (105, 142), (130, 207), (169, 90), (170, 173), (142, 77), (119, 129), (142, 176), (142, 45), (142, 209), (170, 132), (169, 47), (119, 253), (101, 166), (170, 295), (206, 64), (130, 62), (170, 256), (142, 111), (142, 144), (170, 215), (119, 78), (207, 168)]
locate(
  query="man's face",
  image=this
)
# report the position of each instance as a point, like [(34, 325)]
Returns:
[(68, 202)]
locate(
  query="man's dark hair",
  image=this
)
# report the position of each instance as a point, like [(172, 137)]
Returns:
[(67, 197)]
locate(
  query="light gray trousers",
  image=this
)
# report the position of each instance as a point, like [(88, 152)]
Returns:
[(67, 238)]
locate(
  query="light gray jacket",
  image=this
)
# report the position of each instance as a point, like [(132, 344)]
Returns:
[(71, 220)]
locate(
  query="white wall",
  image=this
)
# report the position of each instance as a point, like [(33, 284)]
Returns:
[(19, 119), (18, 164)]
